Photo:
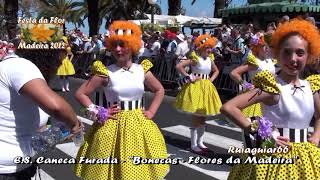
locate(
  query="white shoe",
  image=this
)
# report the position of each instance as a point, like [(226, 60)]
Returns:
[(63, 90)]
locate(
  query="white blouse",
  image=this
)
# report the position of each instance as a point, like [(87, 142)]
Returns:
[(295, 107), (125, 85), (203, 66)]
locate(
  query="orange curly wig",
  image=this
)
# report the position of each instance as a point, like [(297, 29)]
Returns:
[(128, 32), (305, 29), (204, 41)]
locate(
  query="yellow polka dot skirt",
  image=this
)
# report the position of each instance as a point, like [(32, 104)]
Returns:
[(306, 167), (200, 97), (66, 68), (131, 135), (252, 111)]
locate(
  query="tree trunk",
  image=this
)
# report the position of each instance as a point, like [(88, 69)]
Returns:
[(93, 17), (219, 4), (11, 15), (174, 7)]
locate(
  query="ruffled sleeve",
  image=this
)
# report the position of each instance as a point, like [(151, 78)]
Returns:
[(147, 65), (194, 57), (252, 60), (211, 56), (314, 81), (98, 68), (265, 81)]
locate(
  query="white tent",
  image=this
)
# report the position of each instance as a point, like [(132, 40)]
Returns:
[(204, 20), (178, 20)]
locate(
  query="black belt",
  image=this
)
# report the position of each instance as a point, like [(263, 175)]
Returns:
[(295, 135), (128, 105), (186, 80), (203, 76)]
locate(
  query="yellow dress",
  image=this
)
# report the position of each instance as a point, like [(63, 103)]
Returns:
[(200, 97), (130, 135), (305, 156), (255, 109), (66, 68)]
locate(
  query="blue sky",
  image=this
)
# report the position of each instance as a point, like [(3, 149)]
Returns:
[(201, 8)]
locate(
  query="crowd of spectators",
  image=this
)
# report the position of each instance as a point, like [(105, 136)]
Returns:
[(168, 48)]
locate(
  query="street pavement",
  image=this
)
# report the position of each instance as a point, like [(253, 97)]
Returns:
[(219, 136)]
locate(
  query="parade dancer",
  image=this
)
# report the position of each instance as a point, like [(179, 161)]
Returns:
[(199, 97), (257, 61), (289, 103), (128, 130), (66, 69)]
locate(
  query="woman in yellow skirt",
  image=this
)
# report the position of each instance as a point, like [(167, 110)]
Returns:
[(199, 97), (129, 140), (257, 61), (289, 103), (66, 69)]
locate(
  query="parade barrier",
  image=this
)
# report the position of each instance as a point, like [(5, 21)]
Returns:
[(163, 69), (224, 82)]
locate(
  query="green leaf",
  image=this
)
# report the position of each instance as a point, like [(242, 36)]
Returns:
[(83, 110), (268, 144)]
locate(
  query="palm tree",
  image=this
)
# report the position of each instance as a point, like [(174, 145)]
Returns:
[(28, 7), (218, 4), (59, 8), (93, 16), (126, 9), (78, 16), (11, 16), (174, 7)]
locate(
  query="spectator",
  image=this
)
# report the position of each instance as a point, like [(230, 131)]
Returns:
[(97, 46), (237, 50), (284, 19), (182, 48), (312, 20), (155, 48)]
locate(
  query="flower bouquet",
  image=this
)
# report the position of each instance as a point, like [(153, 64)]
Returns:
[(263, 133), (246, 86), (97, 113)]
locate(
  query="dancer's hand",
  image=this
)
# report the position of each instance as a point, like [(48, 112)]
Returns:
[(194, 78), (76, 130), (148, 114), (92, 112), (114, 109), (212, 79), (282, 141), (313, 139)]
